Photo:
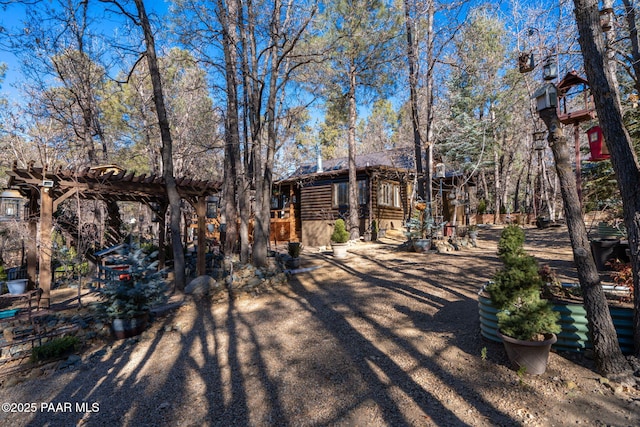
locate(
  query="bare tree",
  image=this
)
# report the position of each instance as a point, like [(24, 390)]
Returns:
[(141, 19), (57, 44)]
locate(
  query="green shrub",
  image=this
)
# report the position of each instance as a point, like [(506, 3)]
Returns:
[(294, 249), (516, 291), (55, 348), (144, 288), (482, 206), (340, 233), (511, 243)]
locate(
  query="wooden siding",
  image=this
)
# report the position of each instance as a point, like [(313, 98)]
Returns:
[(381, 212), (317, 202)]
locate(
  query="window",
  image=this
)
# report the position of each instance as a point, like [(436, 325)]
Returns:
[(389, 195), (275, 202), (341, 193), (362, 192)]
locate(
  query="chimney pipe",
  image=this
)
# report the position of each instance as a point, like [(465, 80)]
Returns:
[(319, 168)]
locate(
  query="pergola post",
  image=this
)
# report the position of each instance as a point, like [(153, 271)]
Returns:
[(162, 235), (201, 212), (32, 252), (46, 223)]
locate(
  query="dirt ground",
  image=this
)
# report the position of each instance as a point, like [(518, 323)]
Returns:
[(383, 338)]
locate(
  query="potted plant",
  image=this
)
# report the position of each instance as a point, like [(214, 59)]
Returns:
[(294, 249), (622, 276), (339, 239), (127, 297), (374, 230), (527, 324)]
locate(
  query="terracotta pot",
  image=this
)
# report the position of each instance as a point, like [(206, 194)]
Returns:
[(532, 356)]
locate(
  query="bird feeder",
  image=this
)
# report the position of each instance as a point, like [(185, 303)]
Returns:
[(546, 97), (440, 170), (526, 62), (606, 19), (597, 145)]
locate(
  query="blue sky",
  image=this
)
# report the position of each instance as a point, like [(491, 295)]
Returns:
[(12, 16)]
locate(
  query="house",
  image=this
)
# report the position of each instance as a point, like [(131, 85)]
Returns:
[(305, 205)]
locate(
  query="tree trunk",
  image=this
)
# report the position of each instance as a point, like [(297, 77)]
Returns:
[(608, 357), (413, 99), (428, 103), (354, 221), (261, 230), (623, 157), (496, 185), (232, 137), (167, 147), (630, 14)]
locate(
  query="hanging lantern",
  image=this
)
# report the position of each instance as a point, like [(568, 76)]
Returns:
[(539, 143), (212, 206), (597, 145), (550, 69)]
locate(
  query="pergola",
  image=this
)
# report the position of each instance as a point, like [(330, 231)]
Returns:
[(45, 189)]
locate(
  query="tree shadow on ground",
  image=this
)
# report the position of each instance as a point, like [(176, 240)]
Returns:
[(391, 339)]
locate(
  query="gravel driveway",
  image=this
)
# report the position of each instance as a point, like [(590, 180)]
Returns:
[(382, 338)]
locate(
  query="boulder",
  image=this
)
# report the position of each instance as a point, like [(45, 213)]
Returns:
[(201, 286)]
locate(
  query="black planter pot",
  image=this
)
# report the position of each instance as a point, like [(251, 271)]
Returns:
[(127, 328), (532, 356), (603, 250), (293, 263), (543, 222)]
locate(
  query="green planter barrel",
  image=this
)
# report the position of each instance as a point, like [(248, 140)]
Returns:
[(574, 335)]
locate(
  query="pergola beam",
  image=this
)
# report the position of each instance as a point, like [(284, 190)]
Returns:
[(108, 184)]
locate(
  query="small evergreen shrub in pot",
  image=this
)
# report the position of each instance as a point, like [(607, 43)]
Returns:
[(294, 249), (127, 298), (374, 230), (524, 315), (339, 239)]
